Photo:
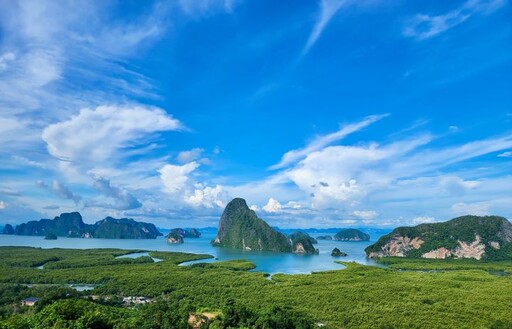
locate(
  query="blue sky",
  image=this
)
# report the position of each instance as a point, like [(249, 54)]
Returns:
[(325, 113)]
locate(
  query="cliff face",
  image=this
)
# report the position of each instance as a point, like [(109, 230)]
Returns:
[(302, 243), (487, 237), (72, 225), (351, 234), (240, 228)]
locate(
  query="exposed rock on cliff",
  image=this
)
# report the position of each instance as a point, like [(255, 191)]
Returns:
[(240, 228), (302, 243), (351, 234), (487, 237), (175, 236)]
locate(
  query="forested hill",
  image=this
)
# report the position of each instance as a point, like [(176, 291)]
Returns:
[(72, 225), (478, 237)]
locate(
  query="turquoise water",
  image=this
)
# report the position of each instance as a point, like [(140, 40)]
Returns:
[(265, 261)]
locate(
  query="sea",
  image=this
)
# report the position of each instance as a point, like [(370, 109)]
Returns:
[(267, 262)]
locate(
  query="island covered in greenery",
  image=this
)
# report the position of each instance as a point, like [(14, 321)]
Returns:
[(240, 228), (351, 234), (72, 225), (478, 237)]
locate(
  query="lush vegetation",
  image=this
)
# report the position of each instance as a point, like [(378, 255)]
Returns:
[(447, 235), (72, 225), (409, 293), (240, 228), (298, 239), (351, 234)]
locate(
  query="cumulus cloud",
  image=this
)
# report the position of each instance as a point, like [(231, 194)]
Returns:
[(190, 155), (175, 177), (177, 182), (59, 190), (365, 214), (273, 206), (2, 205), (320, 142), (423, 26), (99, 135), (123, 200), (208, 197)]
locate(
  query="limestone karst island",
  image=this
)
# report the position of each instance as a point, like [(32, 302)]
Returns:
[(255, 164)]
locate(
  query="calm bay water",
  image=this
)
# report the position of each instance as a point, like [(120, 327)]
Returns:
[(265, 261)]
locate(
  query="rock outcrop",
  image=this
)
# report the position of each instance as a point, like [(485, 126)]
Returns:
[(338, 253), (240, 228), (175, 236), (8, 229), (302, 243), (72, 225), (487, 237)]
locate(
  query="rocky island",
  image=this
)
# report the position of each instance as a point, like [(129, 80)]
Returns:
[(478, 237), (338, 253), (302, 243), (72, 225), (240, 228), (177, 235), (351, 234)]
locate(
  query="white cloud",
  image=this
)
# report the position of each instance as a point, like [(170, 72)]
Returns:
[(272, 206), (423, 220), (456, 185), (254, 207), (320, 142), (5, 60), (190, 155), (208, 197), (507, 154), (205, 7), (123, 200), (365, 214), (476, 208), (2, 205), (97, 136), (175, 177), (60, 190), (328, 8), (423, 26)]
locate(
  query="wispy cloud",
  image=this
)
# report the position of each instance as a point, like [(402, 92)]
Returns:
[(424, 26), (60, 190), (328, 8), (323, 141), (123, 200), (507, 154)]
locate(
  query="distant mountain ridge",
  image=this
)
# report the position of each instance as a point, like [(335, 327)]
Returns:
[(478, 237), (72, 225)]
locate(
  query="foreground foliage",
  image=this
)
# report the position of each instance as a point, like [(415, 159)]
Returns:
[(407, 294)]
